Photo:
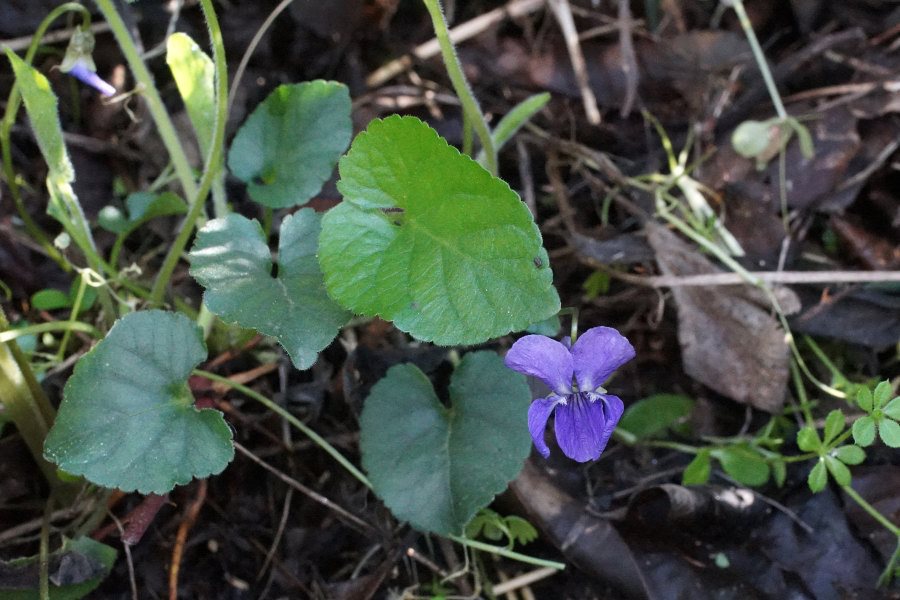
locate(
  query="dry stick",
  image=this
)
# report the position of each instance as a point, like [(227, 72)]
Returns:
[(184, 527), (21, 43), (523, 580), (563, 13), (313, 495), (629, 59), (781, 277), (462, 32), (276, 541)]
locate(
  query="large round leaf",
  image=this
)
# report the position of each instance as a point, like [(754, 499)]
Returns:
[(232, 261), (128, 419), (436, 467), (427, 238), (288, 147)]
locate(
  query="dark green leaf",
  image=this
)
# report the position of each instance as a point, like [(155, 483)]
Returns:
[(232, 261), (654, 414), (881, 395), (142, 206), (779, 472), (808, 440), (427, 238), (864, 399), (436, 467), (697, 471), (50, 300), (128, 418), (818, 477), (864, 431), (288, 147), (892, 410), (522, 531), (834, 426), (838, 470), (889, 431), (743, 464), (76, 569), (194, 75), (850, 455)]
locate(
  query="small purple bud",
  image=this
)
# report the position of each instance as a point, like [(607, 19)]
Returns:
[(85, 75)]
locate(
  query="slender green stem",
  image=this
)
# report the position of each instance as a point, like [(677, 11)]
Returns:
[(507, 553), (891, 567), (44, 552), (470, 106), (154, 101), (759, 55), (13, 103), (213, 161), (801, 394), (73, 316), (315, 437), (11, 334), (25, 402), (873, 512), (736, 267)]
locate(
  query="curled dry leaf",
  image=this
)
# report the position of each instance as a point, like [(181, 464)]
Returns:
[(729, 339)]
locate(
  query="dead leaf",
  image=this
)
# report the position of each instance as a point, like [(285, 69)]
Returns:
[(729, 340)]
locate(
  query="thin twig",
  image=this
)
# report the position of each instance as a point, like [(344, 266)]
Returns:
[(460, 33), (780, 277), (21, 43), (523, 580), (184, 528), (312, 494), (563, 13), (629, 58)]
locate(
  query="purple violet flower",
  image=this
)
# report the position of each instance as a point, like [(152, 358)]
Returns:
[(585, 414), (84, 74)]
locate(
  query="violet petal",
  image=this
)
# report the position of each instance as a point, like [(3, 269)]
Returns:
[(598, 352), (544, 358), (538, 413), (581, 426), (613, 408), (87, 76)]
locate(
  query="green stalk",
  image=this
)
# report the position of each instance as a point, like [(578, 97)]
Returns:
[(873, 512), (501, 551), (13, 103), (759, 55), (213, 161), (471, 109), (151, 94), (25, 402), (736, 267), (315, 437)]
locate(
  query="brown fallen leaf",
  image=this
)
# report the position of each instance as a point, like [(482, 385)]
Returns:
[(729, 340)]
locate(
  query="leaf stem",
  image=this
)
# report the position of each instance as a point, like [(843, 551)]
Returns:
[(471, 109), (151, 94), (873, 512), (507, 553), (13, 102), (315, 437), (759, 55), (213, 161)]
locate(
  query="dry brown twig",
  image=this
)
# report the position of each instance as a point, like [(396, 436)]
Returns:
[(464, 31), (563, 13)]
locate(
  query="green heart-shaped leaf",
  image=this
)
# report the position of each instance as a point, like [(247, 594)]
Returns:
[(427, 238), (232, 261), (289, 146), (436, 467), (128, 418)]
